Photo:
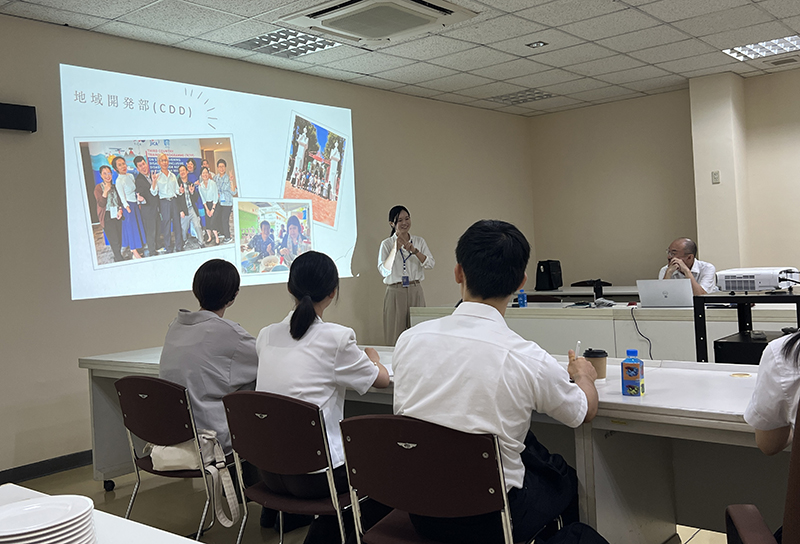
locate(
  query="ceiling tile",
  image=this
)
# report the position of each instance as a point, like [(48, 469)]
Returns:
[(213, 48), (508, 70), (696, 63), (638, 2), (549, 77), (498, 88), (605, 92), (572, 55), (793, 23), (648, 85), (473, 59), (781, 8), (376, 82), (606, 65), (514, 110), (642, 39), (495, 30), (428, 47), (486, 104), (330, 73), (618, 98), (672, 51), (340, 52), (245, 8), (575, 86), (774, 69), (746, 36), (513, 5), (675, 10), (369, 63), (416, 73), (680, 87), (133, 32), (416, 91), (556, 102), (275, 62), (562, 12), (456, 82), (163, 16), (239, 32), (634, 74), (105, 9), (723, 20), (51, 15), (612, 24), (555, 39), (454, 98)]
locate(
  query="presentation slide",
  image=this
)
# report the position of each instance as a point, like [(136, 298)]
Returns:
[(162, 176)]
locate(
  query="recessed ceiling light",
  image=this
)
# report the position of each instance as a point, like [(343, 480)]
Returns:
[(534, 45), (287, 43), (521, 97), (764, 49)]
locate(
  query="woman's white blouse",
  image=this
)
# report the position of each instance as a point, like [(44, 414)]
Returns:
[(318, 369), (126, 187), (208, 194), (774, 401), (414, 269)]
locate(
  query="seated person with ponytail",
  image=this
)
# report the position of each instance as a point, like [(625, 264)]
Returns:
[(308, 359)]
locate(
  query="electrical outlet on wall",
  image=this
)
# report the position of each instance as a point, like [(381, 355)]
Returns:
[(715, 177)]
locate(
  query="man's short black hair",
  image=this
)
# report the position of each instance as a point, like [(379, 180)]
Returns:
[(215, 284), (265, 223), (494, 256)]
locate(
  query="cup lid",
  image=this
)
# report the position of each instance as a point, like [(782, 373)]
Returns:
[(595, 353)]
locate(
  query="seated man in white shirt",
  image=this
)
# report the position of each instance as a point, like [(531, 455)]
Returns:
[(470, 372), (682, 263)]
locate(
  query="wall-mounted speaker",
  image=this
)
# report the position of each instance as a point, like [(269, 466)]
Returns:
[(16, 117)]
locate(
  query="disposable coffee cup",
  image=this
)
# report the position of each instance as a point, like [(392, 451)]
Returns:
[(598, 359)]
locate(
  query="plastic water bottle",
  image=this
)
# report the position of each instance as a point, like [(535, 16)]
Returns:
[(522, 299), (632, 374)]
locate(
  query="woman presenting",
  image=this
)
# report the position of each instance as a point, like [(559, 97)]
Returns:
[(401, 262)]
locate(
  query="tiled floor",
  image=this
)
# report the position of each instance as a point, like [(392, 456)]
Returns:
[(176, 506)]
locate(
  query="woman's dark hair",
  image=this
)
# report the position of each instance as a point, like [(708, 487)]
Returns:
[(791, 350), (107, 167), (114, 163), (194, 163), (206, 169), (183, 166), (394, 212), (312, 277), (493, 255), (222, 162), (215, 284), (293, 220)]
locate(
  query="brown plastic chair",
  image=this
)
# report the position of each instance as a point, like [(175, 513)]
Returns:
[(159, 411), (421, 468), (744, 523), (281, 435)]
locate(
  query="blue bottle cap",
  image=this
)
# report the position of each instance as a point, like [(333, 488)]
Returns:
[(632, 352), (522, 290)]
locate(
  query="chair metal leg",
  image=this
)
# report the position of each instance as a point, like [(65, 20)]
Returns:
[(240, 478), (209, 502), (200, 529), (133, 495), (280, 527), (244, 520)]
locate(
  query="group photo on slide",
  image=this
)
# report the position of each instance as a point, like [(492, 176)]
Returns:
[(314, 168), (153, 197), (272, 234)]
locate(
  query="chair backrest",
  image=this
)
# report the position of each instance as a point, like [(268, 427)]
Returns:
[(791, 510), (275, 433), (155, 410), (423, 468)]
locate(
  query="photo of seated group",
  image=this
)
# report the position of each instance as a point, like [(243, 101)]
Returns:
[(272, 234), (314, 168), (152, 197)]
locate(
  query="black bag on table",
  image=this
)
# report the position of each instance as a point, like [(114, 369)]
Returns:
[(548, 275)]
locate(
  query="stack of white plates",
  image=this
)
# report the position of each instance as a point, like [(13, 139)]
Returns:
[(62, 519)]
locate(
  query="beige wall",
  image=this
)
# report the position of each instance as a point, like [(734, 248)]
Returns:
[(612, 186), (449, 164), (773, 169)]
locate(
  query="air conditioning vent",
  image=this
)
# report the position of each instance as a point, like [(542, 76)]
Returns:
[(376, 21), (782, 61)]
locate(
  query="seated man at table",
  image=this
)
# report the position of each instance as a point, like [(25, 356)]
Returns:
[(470, 372), (263, 242), (682, 263), (209, 355)]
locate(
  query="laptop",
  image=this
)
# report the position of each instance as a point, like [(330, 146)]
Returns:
[(665, 293)]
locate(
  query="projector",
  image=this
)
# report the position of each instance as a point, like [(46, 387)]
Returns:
[(757, 279)]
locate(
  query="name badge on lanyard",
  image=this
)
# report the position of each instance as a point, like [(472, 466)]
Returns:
[(404, 279)]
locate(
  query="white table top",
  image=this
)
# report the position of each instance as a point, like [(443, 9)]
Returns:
[(627, 290), (109, 529)]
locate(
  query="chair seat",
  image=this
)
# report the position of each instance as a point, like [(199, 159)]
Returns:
[(146, 464), (396, 528), (261, 494)]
